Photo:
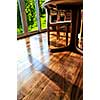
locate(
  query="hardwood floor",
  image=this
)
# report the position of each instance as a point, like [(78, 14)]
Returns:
[(42, 75)]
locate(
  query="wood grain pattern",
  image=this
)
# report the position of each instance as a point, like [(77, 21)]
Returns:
[(43, 75)]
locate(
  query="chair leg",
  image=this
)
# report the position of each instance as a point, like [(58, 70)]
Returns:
[(48, 37), (58, 32), (67, 31)]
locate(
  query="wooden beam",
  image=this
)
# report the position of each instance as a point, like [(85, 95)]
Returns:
[(23, 16), (38, 14)]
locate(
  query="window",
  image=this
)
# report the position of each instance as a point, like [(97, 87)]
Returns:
[(31, 16), (42, 15)]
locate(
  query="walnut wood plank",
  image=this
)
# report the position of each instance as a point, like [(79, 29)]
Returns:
[(48, 76)]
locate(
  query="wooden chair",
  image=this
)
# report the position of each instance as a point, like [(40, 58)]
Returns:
[(59, 21)]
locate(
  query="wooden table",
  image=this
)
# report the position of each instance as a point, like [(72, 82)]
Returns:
[(75, 6)]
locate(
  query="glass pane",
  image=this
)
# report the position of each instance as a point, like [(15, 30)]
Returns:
[(42, 15), (19, 24), (31, 15)]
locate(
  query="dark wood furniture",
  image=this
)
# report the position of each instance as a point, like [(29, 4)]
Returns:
[(75, 6), (59, 25)]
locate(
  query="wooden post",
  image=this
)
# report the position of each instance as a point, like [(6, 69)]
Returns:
[(23, 16), (38, 14), (38, 18)]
